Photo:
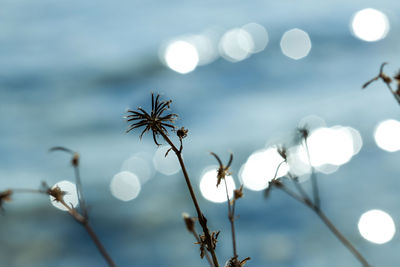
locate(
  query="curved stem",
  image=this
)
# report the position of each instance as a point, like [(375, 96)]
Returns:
[(196, 236), (231, 217), (341, 237), (331, 227), (85, 223), (202, 219), (314, 182), (82, 220)]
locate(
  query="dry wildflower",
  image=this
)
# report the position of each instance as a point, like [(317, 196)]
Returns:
[(203, 243), (5, 196), (189, 222), (214, 238), (234, 262), (238, 193), (75, 159), (397, 78), (282, 151), (381, 75), (56, 193), (222, 169), (155, 121), (182, 133), (304, 132)]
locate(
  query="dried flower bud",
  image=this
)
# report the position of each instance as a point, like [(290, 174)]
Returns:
[(182, 133), (238, 193), (304, 132), (397, 76), (75, 159), (386, 78), (5, 196), (214, 238), (283, 151), (234, 262), (57, 193), (222, 169), (189, 221)]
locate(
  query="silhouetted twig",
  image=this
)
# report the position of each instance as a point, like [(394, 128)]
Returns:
[(158, 123), (303, 198), (387, 80)]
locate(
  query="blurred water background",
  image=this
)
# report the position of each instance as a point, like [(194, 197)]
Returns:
[(70, 69)]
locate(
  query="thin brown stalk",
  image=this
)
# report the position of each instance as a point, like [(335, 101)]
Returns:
[(329, 224), (202, 219), (85, 223), (314, 182), (81, 219), (207, 255), (231, 217), (386, 79)]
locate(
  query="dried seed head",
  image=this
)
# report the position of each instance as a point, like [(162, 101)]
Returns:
[(5, 196), (282, 150), (238, 193), (304, 132), (154, 121), (234, 262), (222, 169), (397, 76), (386, 78), (189, 221), (75, 160), (182, 133), (57, 193)]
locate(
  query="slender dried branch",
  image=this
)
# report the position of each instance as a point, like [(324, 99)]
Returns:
[(304, 199), (387, 80), (202, 219), (75, 164), (158, 124)]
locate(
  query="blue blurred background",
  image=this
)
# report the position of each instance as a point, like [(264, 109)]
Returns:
[(70, 69)]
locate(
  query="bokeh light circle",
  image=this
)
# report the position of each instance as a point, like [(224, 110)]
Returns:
[(370, 25), (376, 226), (259, 36), (181, 56), (140, 166), (209, 189), (236, 45), (70, 197), (295, 44), (387, 135), (125, 186), (260, 169), (167, 165)]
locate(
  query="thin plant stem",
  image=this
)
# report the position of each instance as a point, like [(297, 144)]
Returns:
[(386, 80), (27, 190), (341, 237), (85, 223), (231, 217), (99, 245), (314, 182), (202, 219), (81, 219), (330, 225), (207, 255), (81, 199), (277, 169), (300, 189)]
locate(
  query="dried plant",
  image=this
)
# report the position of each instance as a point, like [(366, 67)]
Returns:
[(80, 215), (387, 80), (156, 123), (303, 197), (222, 172)]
